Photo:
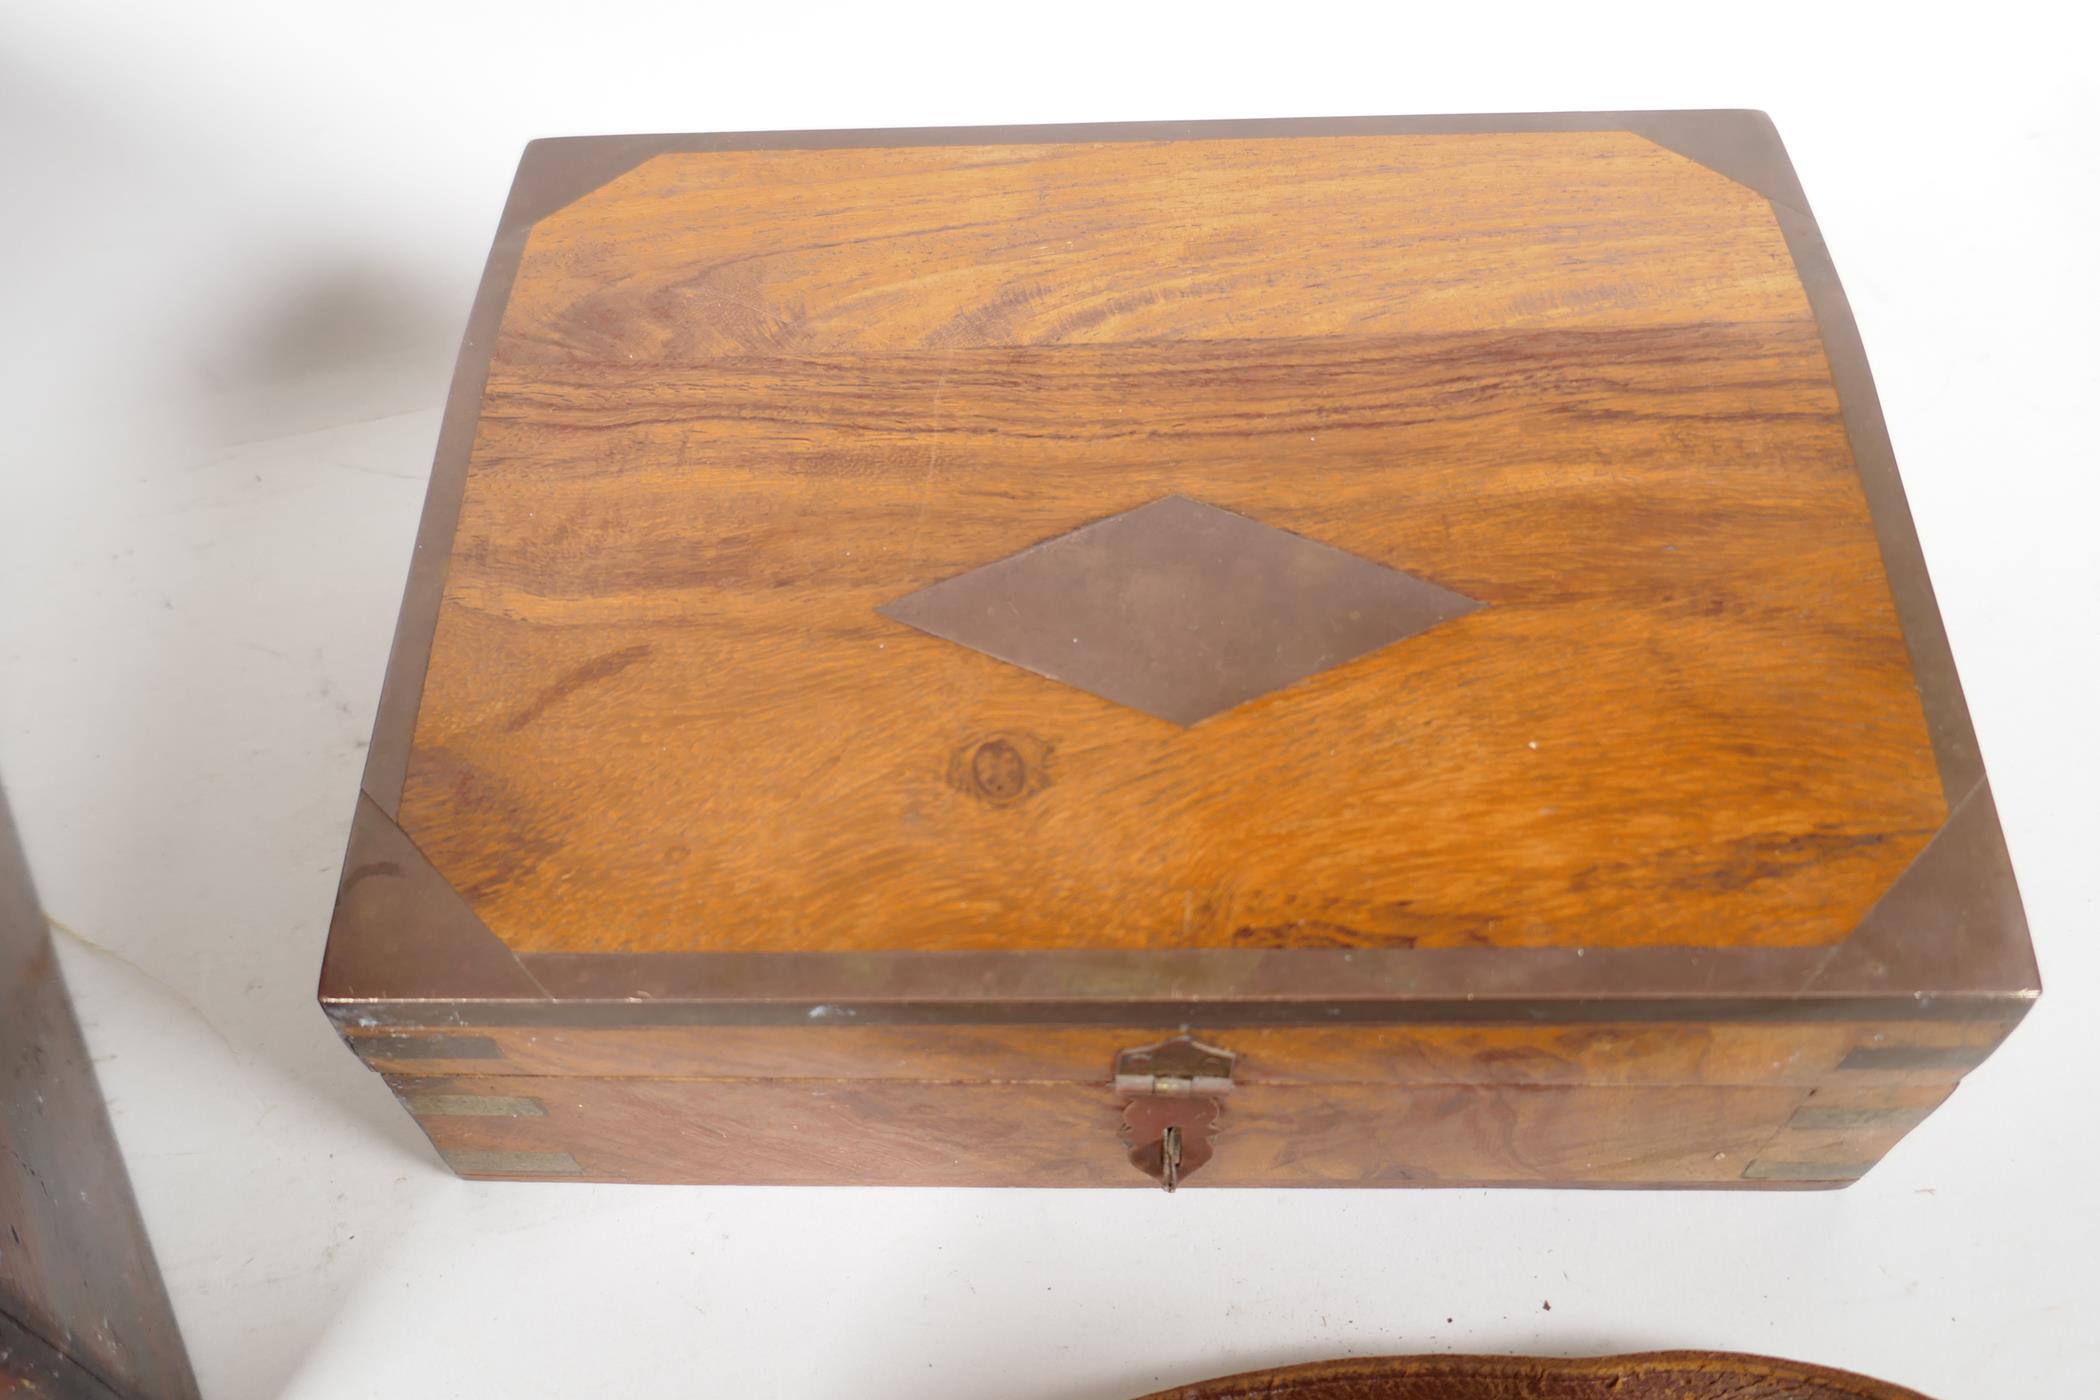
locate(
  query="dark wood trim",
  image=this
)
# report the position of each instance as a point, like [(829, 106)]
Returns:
[(34, 1369), (80, 1295)]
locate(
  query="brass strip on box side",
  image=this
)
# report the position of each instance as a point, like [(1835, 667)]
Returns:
[(425, 1047), (1811, 1115), (1806, 1171), (1959, 1059), (473, 1106), (499, 1163)]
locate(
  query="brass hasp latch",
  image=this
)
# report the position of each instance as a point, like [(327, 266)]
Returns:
[(1172, 1111)]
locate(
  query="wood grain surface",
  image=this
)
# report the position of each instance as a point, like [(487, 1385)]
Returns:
[(813, 1130), (1682, 1104), (739, 400), (886, 1132), (1841, 1055)]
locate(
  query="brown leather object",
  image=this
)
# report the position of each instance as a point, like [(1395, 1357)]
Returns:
[(1663, 1375)]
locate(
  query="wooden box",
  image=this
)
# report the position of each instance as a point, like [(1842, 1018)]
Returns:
[(1362, 652)]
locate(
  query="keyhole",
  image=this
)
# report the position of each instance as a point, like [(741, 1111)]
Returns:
[(1170, 1158)]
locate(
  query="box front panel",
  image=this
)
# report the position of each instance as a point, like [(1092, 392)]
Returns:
[(847, 1132), (1622, 1105)]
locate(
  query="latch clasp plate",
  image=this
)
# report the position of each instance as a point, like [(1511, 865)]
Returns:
[(1173, 1090)]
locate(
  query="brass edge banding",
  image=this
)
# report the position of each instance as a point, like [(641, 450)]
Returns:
[(401, 691), (1742, 146), (1903, 559), (1146, 1010)]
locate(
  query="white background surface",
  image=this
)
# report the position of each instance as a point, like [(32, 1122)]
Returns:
[(237, 244)]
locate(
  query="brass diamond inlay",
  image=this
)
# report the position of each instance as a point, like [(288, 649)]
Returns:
[(1179, 609)]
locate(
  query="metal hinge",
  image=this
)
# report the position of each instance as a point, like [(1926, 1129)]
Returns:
[(1173, 1090)]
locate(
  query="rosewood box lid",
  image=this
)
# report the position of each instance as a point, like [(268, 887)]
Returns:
[(1392, 568)]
